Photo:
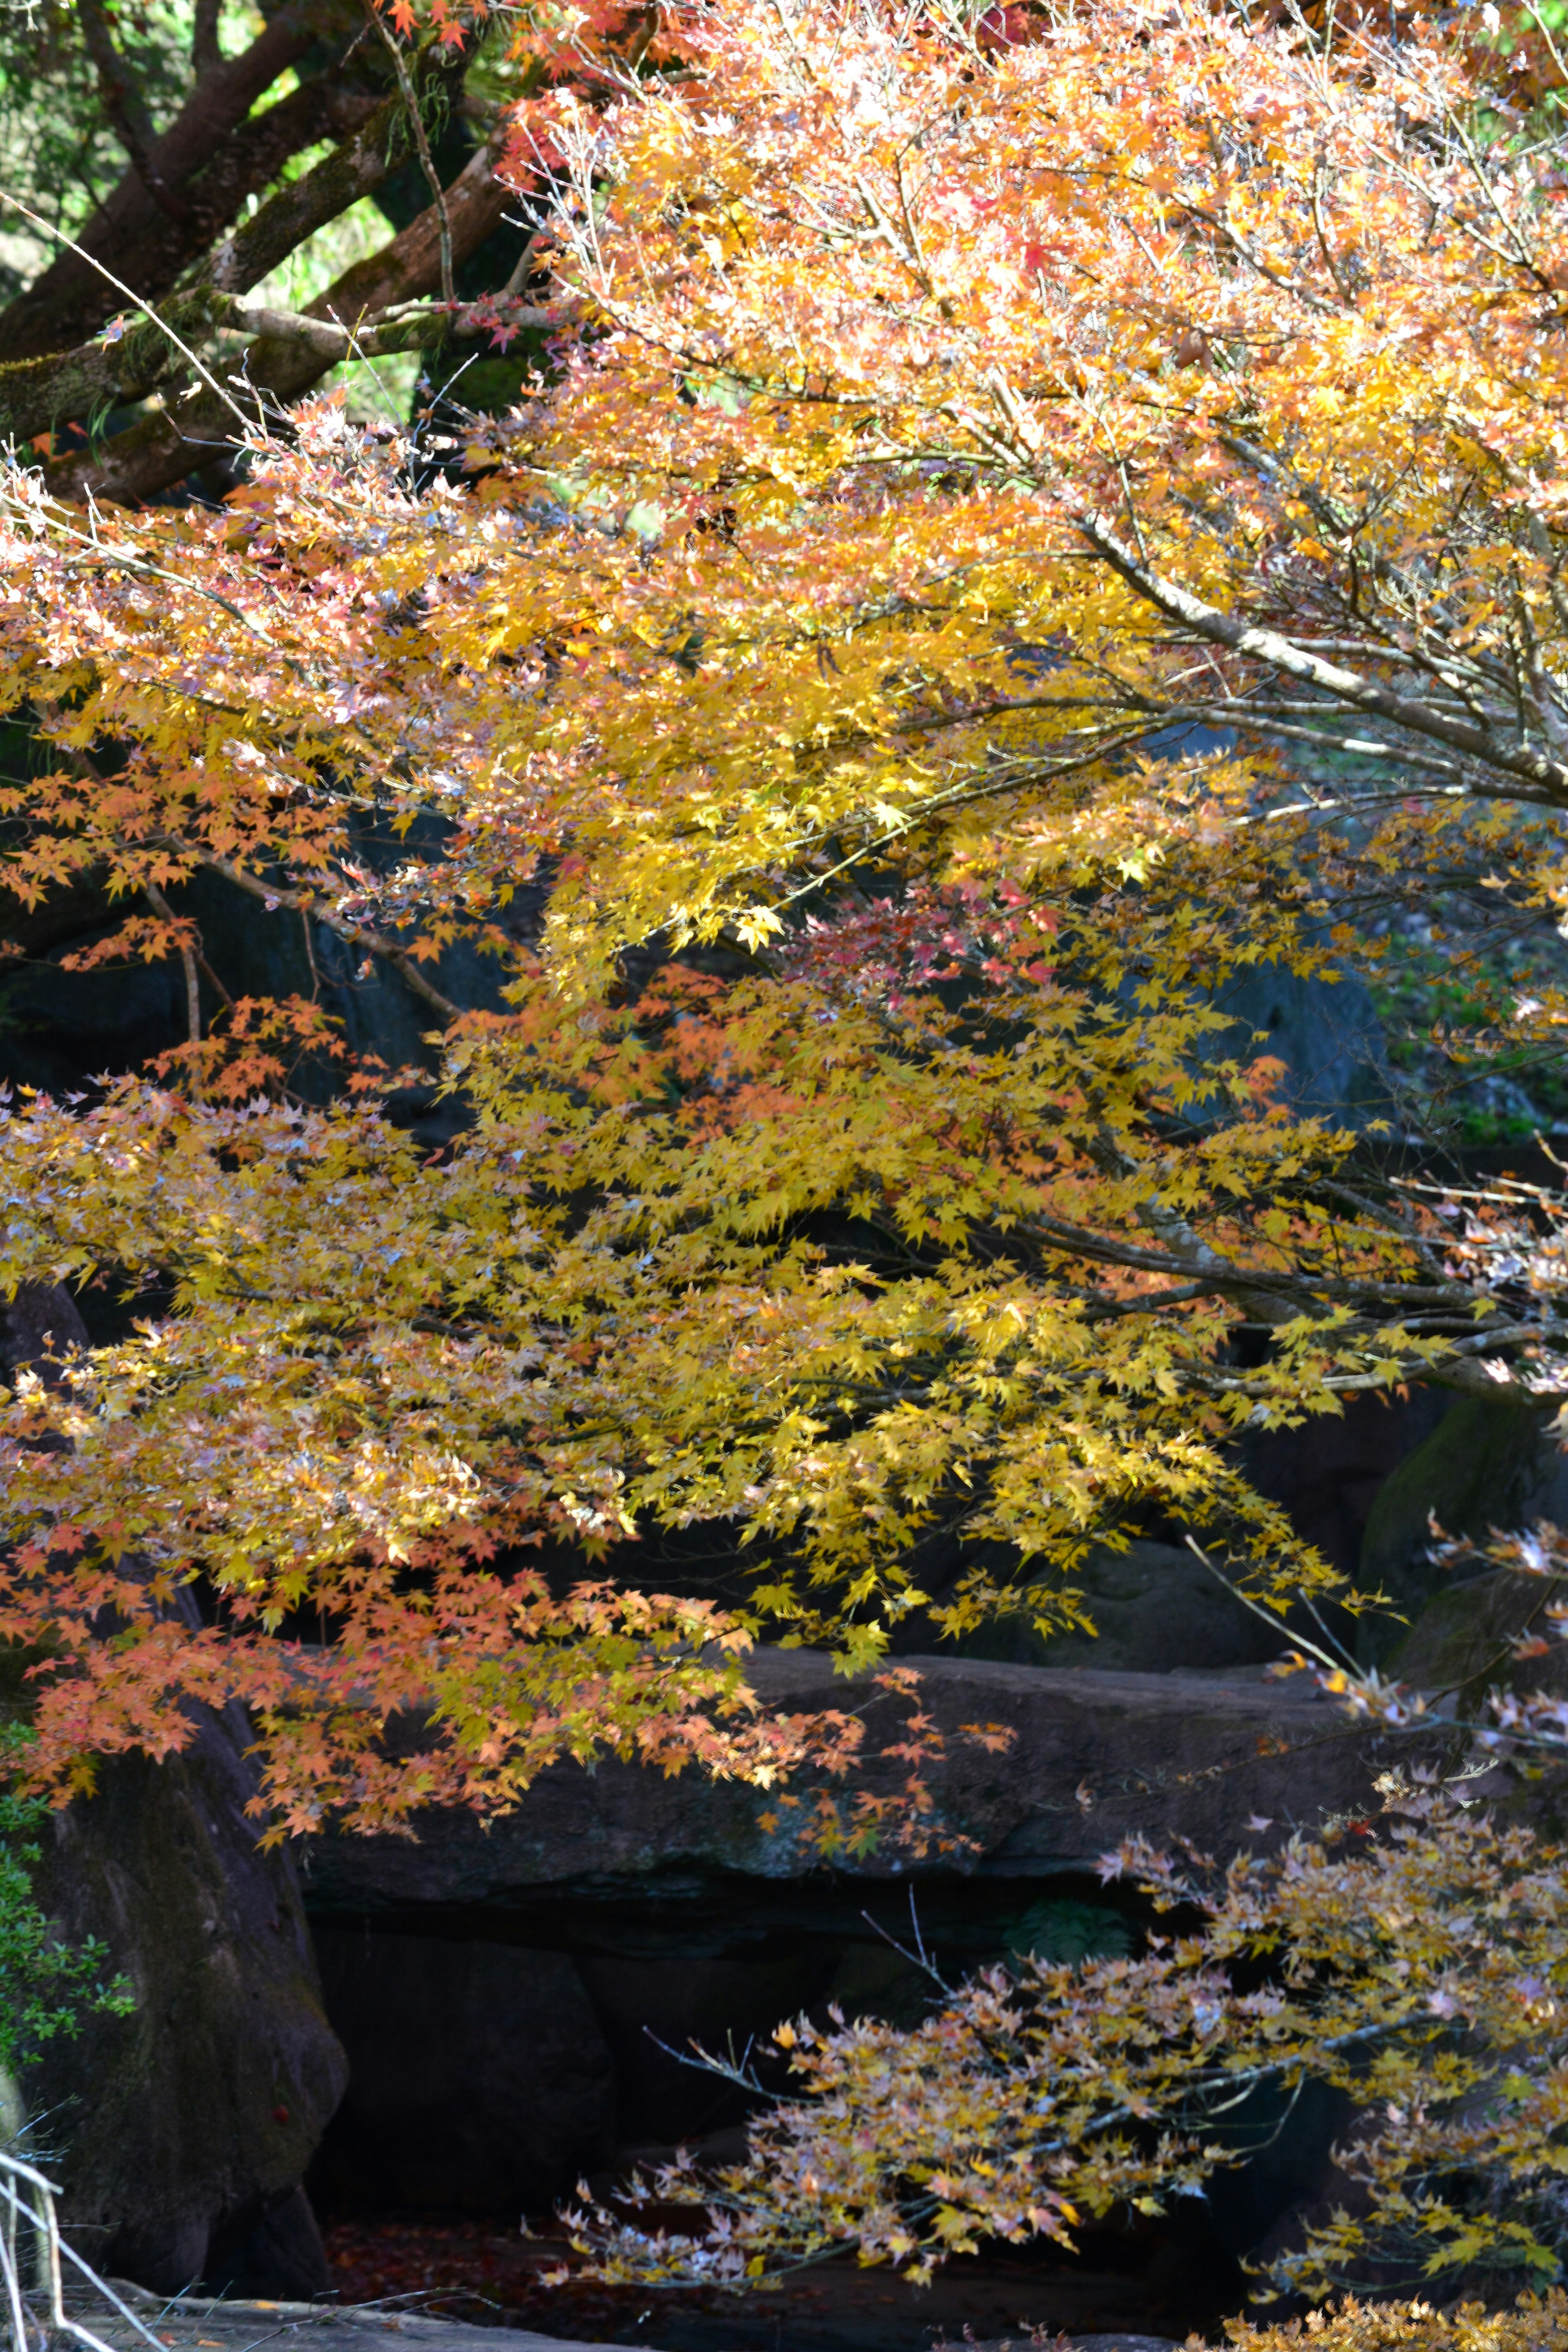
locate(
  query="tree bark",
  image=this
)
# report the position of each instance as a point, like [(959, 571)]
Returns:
[(244, 164), (163, 449), (71, 300), (37, 395), (355, 168), (78, 382)]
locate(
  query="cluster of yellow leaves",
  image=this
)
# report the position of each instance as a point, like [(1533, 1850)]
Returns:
[(1536, 2323), (379, 1369), (1418, 1964), (1028, 521)]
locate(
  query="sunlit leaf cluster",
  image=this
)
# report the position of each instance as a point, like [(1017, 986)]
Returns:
[(1026, 523)]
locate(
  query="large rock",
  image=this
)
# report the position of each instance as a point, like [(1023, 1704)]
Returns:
[(184, 2131), (67, 1026), (1328, 1471), (1463, 1641), (1485, 1466), (1154, 1608), (617, 1917), (1325, 1033), (1094, 1757), (1462, 1646)]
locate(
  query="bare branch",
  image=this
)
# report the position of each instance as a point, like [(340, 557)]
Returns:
[(204, 51), (1545, 779), (358, 935), (421, 146), (124, 104)]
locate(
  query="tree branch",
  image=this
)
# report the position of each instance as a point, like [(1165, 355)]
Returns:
[(204, 51), (411, 264), (355, 168), (160, 450), (415, 120), (358, 935), (69, 301), (1546, 780), (161, 907), (412, 326), (37, 394), (245, 162), (124, 104)]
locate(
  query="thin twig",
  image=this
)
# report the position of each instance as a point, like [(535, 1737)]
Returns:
[(193, 984), (421, 146), (276, 894)]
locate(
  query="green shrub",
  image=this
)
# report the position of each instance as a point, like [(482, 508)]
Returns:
[(47, 1986)]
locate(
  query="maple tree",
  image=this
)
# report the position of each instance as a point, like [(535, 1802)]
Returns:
[(1024, 519)]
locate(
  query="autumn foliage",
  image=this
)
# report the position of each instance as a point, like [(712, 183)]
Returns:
[(1023, 522), (1354, 2327), (1416, 1963)]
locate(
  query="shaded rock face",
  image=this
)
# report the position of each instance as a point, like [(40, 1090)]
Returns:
[(1328, 1472), (184, 2131), (58, 1027), (1462, 1646), (1464, 1640), (479, 2077), (42, 1320), (522, 1998), (1195, 1753), (1326, 1033), (1484, 1465), (1154, 1609)]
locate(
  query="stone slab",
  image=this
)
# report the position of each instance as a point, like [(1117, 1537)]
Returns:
[(203, 2323), (1095, 1757)]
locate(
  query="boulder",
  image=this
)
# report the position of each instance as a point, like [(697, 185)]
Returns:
[(1328, 1472), (1094, 1756), (1154, 1607), (199, 2324), (687, 1910), (1485, 1466), (181, 2133), (1461, 1647), (1325, 1032), (42, 1321), (1024, 2342), (1463, 1641), (63, 1026)]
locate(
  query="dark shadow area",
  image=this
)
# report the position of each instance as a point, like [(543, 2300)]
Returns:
[(495, 2057)]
